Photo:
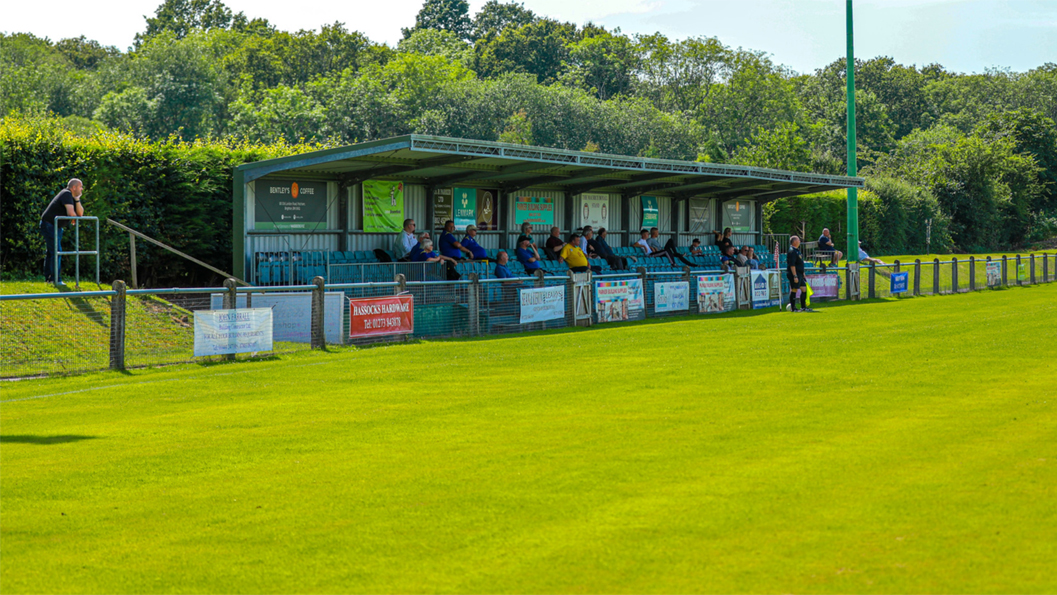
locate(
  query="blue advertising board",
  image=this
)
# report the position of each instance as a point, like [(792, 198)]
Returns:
[(900, 282)]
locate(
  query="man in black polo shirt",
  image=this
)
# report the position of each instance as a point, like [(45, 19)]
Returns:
[(65, 204), (795, 273)]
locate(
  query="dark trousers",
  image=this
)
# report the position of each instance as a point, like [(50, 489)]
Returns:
[(48, 231), (594, 269)]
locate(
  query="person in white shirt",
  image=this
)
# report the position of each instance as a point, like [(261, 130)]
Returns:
[(648, 250), (405, 242)]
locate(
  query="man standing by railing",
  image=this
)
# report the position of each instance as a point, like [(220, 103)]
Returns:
[(66, 203)]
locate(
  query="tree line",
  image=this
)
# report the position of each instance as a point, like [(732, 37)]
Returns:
[(983, 145)]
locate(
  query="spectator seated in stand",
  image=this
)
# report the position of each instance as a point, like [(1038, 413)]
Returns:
[(601, 247), (826, 247), (417, 248), (573, 256), (501, 270), (644, 245), (405, 242), (583, 237), (672, 250), (426, 254), (528, 256), (750, 253), (526, 234), (729, 257), (477, 251), (723, 240), (554, 244), (448, 246), (695, 248)]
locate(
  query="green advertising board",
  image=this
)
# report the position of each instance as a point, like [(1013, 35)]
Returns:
[(535, 210), (465, 208), (383, 206), (650, 212), (739, 215), (289, 205)]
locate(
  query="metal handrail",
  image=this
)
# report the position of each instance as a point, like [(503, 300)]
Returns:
[(56, 272), (61, 294)]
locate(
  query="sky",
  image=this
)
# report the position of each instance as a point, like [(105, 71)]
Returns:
[(962, 35)]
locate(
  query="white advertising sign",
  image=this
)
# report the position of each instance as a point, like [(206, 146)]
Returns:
[(292, 313), (541, 304), (223, 332), (766, 289), (594, 210), (671, 297), (715, 293)]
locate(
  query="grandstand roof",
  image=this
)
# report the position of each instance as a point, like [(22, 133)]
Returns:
[(439, 161)]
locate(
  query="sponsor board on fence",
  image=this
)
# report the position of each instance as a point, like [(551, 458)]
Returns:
[(542, 304), (292, 313), (671, 297), (224, 332), (715, 293), (994, 273), (619, 300), (1022, 271), (766, 289), (899, 282), (824, 286), (390, 315)]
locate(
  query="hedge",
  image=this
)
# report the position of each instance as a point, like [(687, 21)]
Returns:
[(176, 192)]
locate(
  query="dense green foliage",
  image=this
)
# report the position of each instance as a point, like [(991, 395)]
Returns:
[(984, 146), (929, 469)]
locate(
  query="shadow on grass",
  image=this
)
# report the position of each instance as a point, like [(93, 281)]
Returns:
[(31, 439)]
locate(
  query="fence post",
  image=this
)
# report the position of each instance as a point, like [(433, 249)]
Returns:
[(117, 327), (132, 259), (972, 273), (954, 274), (645, 286), (872, 293), (319, 337), (230, 303), (917, 276), (1005, 270), (852, 281), (473, 303), (1017, 274), (1045, 268), (539, 274), (1032, 263), (570, 299), (936, 277), (401, 283)]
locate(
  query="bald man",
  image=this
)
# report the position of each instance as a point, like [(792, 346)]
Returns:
[(67, 203)]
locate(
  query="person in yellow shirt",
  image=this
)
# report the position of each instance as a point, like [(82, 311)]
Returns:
[(573, 256)]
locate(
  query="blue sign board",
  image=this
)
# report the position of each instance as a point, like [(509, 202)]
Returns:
[(900, 282)]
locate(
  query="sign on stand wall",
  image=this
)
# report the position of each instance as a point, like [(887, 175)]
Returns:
[(290, 205), (383, 206), (487, 210), (650, 212), (594, 210), (739, 215), (700, 215), (443, 208), (534, 210), (465, 208), (224, 332)]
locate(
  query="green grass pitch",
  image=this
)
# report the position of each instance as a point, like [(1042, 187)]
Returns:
[(891, 446)]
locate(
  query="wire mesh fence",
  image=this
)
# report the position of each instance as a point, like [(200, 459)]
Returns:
[(71, 332)]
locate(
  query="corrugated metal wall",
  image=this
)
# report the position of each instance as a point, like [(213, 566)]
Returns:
[(294, 242), (414, 208)]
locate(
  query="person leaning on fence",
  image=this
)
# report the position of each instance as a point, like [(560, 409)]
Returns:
[(825, 246), (477, 251), (553, 244), (573, 256), (795, 274), (405, 242), (67, 203), (528, 256), (864, 257)]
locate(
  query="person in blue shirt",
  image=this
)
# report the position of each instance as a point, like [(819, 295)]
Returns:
[(414, 251), (728, 256), (448, 246), (426, 254), (501, 270), (825, 245), (477, 251), (528, 256)]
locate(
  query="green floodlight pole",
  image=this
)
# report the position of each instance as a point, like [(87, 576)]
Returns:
[(853, 193)]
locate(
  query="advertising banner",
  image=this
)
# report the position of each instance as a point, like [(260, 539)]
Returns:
[(701, 215), (1022, 271), (994, 273), (290, 205), (671, 297), (715, 293), (391, 315), (534, 210), (292, 313), (443, 207), (824, 286), (899, 282), (383, 206), (766, 289), (650, 212), (223, 332), (488, 210), (595, 210), (739, 215), (619, 300), (542, 304), (465, 208)]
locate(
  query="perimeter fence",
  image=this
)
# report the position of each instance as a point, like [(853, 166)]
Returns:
[(71, 332)]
